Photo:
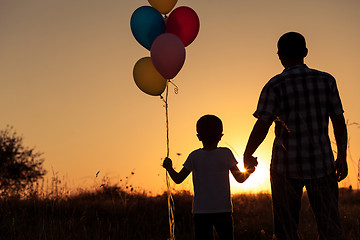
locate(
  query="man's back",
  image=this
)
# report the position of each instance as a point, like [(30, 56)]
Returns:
[(301, 100)]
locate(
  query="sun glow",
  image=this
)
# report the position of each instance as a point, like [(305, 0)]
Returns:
[(259, 181)]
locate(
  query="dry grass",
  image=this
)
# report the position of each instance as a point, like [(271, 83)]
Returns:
[(113, 213)]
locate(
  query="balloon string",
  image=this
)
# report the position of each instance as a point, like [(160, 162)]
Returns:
[(171, 205), (176, 89), (167, 120)]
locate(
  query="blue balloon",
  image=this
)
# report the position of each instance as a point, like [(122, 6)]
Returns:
[(146, 24)]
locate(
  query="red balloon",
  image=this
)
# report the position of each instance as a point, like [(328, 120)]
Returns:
[(168, 55), (184, 23)]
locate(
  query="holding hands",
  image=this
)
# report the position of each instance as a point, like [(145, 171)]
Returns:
[(250, 163)]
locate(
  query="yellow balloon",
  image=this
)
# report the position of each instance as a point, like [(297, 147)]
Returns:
[(147, 78), (163, 6)]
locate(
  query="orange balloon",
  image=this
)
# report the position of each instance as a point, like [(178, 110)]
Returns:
[(147, 78), (163, 6)]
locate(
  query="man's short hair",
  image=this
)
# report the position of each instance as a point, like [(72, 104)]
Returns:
[(209, 128), (292, 45)]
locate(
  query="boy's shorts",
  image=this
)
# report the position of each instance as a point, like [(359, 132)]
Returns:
[(205, 223)]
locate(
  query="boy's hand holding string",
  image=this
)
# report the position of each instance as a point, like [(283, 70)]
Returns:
[(177, 177)]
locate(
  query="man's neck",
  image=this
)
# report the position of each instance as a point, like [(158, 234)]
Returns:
[(292, 62)]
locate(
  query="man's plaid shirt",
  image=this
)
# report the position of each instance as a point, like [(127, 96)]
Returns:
[(300, 101)]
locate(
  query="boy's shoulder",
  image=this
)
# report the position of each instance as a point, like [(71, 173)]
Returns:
[(224, 149), (196, 151)]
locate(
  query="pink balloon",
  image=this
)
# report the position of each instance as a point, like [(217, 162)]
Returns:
[(184, 23), (168, 55)]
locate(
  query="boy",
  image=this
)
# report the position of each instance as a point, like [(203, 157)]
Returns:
[(210, 165)]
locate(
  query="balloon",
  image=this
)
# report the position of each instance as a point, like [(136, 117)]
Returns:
[(146, 24), (168, 55), (163, 6), (147, 78), (184, 23)]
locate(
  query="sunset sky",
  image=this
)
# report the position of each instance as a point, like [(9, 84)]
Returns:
[(67, 86)]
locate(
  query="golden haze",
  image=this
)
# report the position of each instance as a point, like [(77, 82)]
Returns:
[(67, 86)]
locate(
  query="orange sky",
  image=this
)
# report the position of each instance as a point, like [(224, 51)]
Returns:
[(67, 86)]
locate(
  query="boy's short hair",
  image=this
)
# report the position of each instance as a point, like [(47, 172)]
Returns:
[(292, 45), (209, 128)]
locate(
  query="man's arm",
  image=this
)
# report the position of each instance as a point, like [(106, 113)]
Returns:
[(340, 133), (177, 177), (257, 136)]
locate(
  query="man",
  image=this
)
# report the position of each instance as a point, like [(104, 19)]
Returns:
[(300, 101)]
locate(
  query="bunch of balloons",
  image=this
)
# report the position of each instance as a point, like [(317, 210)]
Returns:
[(165, 38)]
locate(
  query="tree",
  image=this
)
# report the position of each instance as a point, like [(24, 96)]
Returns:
[(20, 166)]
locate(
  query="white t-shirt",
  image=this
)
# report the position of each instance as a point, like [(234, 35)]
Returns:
[(210, 170)]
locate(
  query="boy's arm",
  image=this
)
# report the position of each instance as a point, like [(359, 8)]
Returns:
[(177, 177), (241, 176)]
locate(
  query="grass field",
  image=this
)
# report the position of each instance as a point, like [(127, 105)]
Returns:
[(111, 213)]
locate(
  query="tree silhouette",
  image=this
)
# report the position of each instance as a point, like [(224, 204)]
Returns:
[(20, 166)]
